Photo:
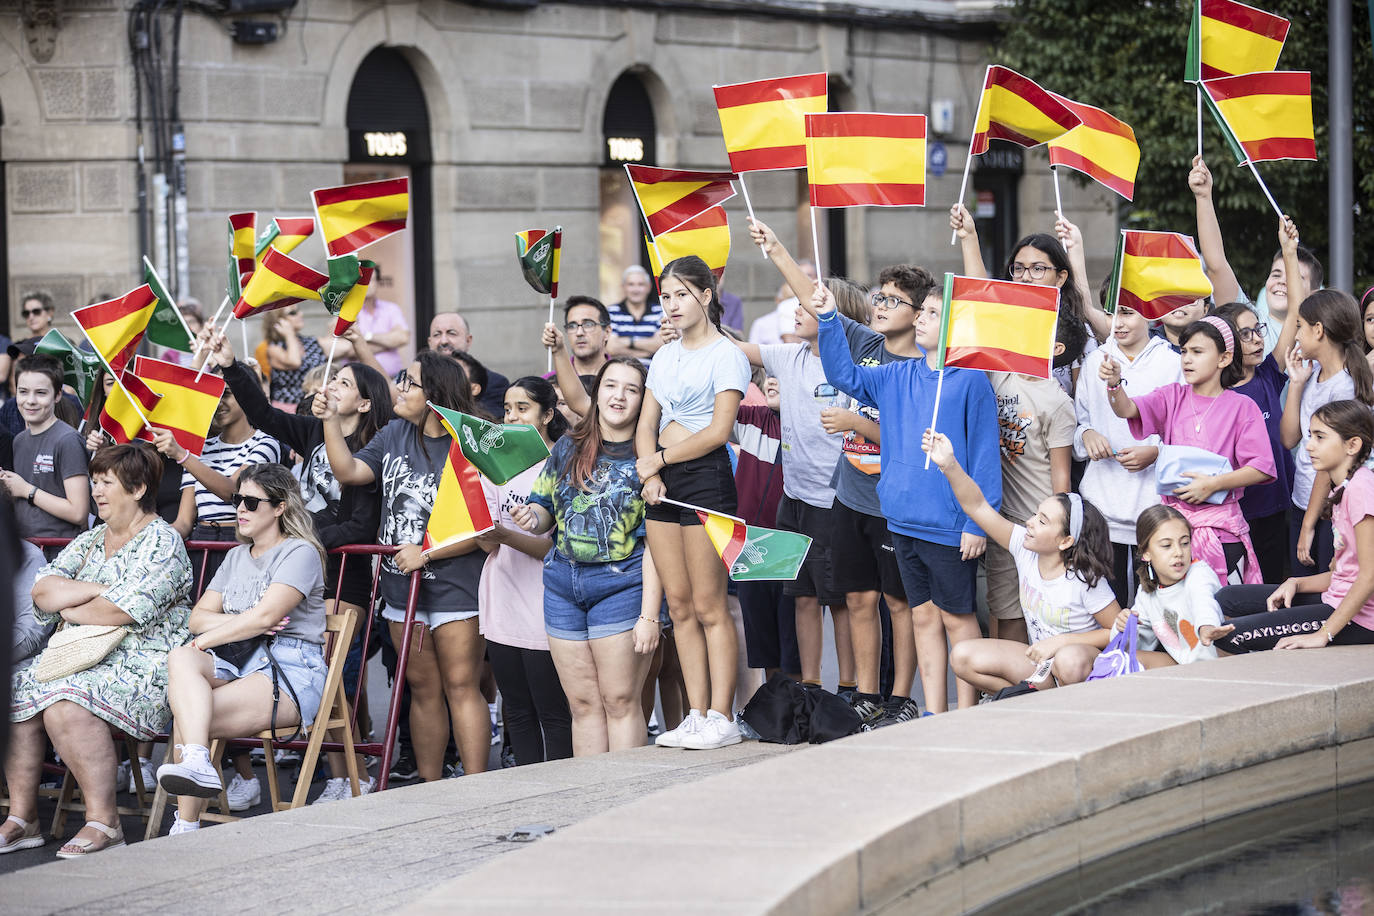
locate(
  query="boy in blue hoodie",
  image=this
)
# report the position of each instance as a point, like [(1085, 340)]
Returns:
[(937, 545)]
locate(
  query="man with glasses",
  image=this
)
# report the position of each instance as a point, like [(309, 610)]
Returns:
[(586, 331)]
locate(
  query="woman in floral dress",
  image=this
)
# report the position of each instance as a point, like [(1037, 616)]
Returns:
[(131, 571)]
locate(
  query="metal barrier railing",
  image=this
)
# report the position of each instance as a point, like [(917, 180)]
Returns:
[(385, 749)]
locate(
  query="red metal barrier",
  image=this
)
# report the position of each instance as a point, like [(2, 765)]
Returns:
[(385, 749)]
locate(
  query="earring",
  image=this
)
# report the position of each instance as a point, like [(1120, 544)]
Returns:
[(1150, 569)]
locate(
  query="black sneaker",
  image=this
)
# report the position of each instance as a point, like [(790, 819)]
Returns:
[(848, 694), (871, 715), (1015, 690), (403, 767), (904, 710)]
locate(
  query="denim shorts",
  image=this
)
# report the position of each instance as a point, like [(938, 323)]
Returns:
[(301, 662), (585, 601), (432, 619)]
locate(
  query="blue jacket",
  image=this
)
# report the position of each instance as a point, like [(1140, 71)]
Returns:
[(918, 502)]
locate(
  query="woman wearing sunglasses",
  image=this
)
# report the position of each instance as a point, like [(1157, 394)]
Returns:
[(271, 585)]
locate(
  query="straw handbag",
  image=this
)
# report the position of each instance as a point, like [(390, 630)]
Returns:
[(76, 648)]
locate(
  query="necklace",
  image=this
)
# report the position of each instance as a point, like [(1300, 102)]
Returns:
[(1198, 420)]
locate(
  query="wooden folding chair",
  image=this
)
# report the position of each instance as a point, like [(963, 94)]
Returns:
[(333, 715), (69, 799)]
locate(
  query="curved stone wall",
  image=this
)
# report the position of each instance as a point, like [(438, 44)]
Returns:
[(959, 811)]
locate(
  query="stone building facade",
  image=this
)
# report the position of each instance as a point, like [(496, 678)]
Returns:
[(515, 96)]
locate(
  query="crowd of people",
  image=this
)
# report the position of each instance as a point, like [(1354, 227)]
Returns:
[(1158, 477)]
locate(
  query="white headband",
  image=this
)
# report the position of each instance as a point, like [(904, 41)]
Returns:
[(1075, 515)]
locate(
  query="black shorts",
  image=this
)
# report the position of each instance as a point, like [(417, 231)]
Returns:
[(861, 554), (813, 580), (770, 626), (936, 572), (706, 481)]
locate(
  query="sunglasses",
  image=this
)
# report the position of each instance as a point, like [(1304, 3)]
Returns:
[(33, 313), (252, 502)]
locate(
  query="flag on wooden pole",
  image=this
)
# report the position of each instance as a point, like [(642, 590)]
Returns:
[(356, 215), (1155, 273), (998, 326), (763, 122), (670, 197), (862, 159)]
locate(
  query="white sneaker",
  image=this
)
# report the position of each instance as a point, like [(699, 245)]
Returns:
[(243, 793), (495, 725), (180, 826), (716, 731), (123, 775), (194, 776), (145, 767), (687, 726), (334, 790)]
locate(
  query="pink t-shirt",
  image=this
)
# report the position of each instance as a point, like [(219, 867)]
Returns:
[(510, 595), (1357, 502), (382, 317), (1229, 425)]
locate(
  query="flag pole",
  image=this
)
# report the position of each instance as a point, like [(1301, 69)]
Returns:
[(939, 386), (243, 328), (333, 345), (963, 185), (749, 204), (550, 365), (108, 368), (694, 508), (1198, 86), (815, 246), (215, 318), (1058, 202), (1263, 187), (225, 332)]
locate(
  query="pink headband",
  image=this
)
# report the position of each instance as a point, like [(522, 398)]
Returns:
[(1224, 328)]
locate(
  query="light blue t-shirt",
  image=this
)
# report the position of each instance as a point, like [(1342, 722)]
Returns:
[(685, 382)]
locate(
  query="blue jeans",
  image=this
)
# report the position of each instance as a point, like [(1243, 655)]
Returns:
[(585, 601)]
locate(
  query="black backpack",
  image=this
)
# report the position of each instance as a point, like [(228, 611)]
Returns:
[(783, 711)]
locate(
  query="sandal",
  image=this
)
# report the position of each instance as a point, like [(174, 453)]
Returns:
[(30, 837), (114, 836)]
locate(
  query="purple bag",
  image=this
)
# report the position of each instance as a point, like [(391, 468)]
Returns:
[(1119, 656)]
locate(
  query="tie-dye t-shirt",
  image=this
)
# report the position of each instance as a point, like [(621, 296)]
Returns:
[(602, 523)]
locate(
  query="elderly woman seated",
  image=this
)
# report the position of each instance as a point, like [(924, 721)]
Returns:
[(130, 571)]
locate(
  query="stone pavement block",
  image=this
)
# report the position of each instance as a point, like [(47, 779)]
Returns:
[(1259, 785), (1139, 821), (1355, 762), (1005, 870)]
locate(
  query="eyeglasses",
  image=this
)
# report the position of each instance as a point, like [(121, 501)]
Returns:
[(252, 502), (587, 325), (1252, 333), (33, 313), (1036, 271), (404, 382), (889, 302)]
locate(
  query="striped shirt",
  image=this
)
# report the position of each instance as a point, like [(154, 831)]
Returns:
[(623, 324), (225, 458)]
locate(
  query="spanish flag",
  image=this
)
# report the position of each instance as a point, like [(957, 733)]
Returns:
[(116, 327), (859, 159), (187, 405), (285, 234), (1016, 109), (1229, 38), (279, 283), (670, 197), (998, 326), (1101, 147), (356, 215), (120, 417), (707, 236), (460, 507), (1268, 115), (753, 554), (345, 300), (1156, 272), (242, 250), (764, 121)]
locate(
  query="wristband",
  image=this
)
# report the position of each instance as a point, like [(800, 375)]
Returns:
[(663, 458), (1330, 637), (1117, 386), (32, 494), (184, 455), (651, 619)]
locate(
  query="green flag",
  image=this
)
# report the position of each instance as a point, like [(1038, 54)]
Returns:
[(166, 327), (539, 251), (499, 451), (80, 369), (754, 554)]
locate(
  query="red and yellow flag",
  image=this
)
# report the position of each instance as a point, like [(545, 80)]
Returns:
[(285, 234), (764, 121), (352, 303), (1101, 147), (1229, 38), (242, 249), (280, 282), (1156, 272), (1269, 115), (187, 405), (116, 326), (998, 326), (1015, 108), (460, 507), (670, 197), (860, 159), (120, 416), (356, 215), (707, 236)]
